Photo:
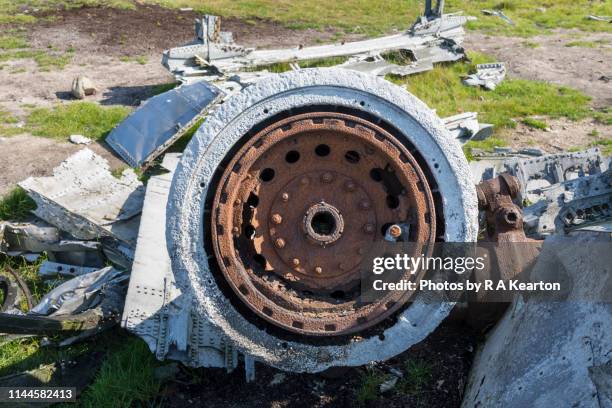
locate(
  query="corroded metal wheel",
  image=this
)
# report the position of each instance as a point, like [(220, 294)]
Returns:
[(282, 191), (299, 206)]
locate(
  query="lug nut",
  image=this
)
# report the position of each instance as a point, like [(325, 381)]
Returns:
[(364, 204), (238, 201), (235, 230), (277, 219), (327, 177), (350, 186), (395, 231), (304, 180), (295, 262), (280, 243), (285, 197), (368, 228), (319, 270)]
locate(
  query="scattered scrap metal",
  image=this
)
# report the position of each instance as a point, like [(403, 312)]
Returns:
[(487, 75), (98, 230)]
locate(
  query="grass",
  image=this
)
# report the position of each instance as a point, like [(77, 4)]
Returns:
[(369, 387), (140, 59), (487, 145), (10, 42), (604, 116), (126, 377), (605, 145), (16, 205), (45, 60), (443, 90), (358, 16), (587, 44), (530, 44), (535, 123), (7, 124), (84, 118), (416, 374), (312, 63)]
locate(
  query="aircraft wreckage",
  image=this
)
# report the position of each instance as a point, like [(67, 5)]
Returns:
[(248, 246)]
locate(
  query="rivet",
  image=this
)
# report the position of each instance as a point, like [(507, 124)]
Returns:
[(295, 262), (277, 219), (280, 243), (327, 177), (318, 270), (350, 185), (395, 231), (238, 201), (285, 197), (304, 180), (235, 230)]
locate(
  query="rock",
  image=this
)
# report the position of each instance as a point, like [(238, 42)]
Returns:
[(82, 86), (80, 139), (388, 385)]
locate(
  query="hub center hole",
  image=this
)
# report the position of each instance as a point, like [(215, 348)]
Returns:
[(323, 223)]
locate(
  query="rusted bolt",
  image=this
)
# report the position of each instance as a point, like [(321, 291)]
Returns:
[(368, 228), (364, 204), (277, 218), (295, 262), (395, 231), (350, 186), (285, 197), (318, 270), (327, 177), (238, 201), (304, 180), (280, 243), (235, 230)]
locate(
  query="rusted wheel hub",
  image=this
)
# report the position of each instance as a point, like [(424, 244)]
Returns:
[(298, 207)]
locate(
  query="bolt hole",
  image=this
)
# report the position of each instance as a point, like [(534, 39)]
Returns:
[(267, 174), (260, 260), (512, 217), (381, 337), (362, 103), (352, 156), (249, 231), (392, 201), (322, 150), (338, 295), (253, 200), (266, 110), (376, 174), (292, 156), (323, 223)]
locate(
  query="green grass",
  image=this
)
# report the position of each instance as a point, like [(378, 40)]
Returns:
[(126, 377), (10, 42), (535, 123), (7, 122), (586, 44), (604, 116), (443, 90), (312, 63), (16, 205), (139, 59), (605, 145), (487, 145), (416, 374), (530, 44), (360, 16), (368, 389), (84, 118), (45, 61), (161, 88)]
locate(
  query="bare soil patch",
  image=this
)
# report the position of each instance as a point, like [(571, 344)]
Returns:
[(562, 134), (26, 156), (553, 61), (448, 351)]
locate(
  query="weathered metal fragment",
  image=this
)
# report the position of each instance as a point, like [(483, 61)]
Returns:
[(162, 120), (85, 200), (487, 75), (465, 127), (555, 352)]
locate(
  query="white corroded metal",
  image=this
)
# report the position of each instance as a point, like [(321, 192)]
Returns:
[(555, 352), (202, 299)]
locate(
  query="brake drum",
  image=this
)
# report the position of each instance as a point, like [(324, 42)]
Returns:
[(280, 195)]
